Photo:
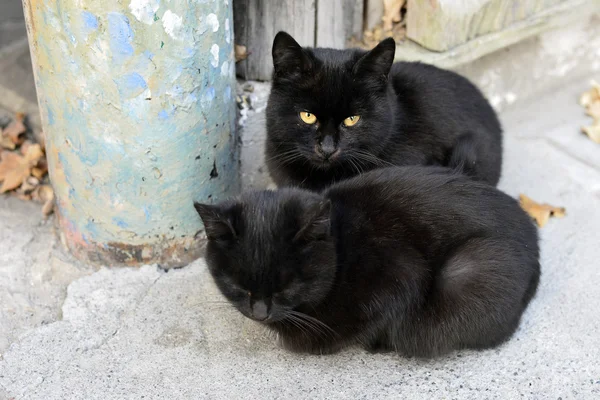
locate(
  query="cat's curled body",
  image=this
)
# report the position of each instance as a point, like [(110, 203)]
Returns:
[(408, 113), (418, 260)]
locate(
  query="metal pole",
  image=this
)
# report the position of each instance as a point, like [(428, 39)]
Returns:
[(137, 99)]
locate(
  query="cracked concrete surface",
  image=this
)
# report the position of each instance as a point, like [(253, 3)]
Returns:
[(34, 274), (133, 333)]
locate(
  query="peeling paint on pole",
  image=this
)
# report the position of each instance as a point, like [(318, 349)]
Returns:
[(137, 107)]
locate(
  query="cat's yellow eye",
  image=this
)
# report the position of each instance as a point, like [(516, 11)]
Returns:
[(308, 118), (351, 121)]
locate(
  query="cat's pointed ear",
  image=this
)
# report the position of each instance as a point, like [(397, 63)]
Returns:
[(217, 222), (377, 63), (316, 222), (288, 56)]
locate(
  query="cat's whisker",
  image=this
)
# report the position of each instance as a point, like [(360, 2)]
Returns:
[(356, 162), (315, 322), (353, 164), (282, 155), (297, 323), (371, 158), (286, 157)]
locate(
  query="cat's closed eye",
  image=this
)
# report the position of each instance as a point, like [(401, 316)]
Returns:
[(308, 118), (352, 120)]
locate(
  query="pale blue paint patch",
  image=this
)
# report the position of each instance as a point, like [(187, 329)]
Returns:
[(190, 51), (121, 36), (227, 95), (90, 21), (207, 97), (131, 85), (148, 54), (119, 222), (147, 213), (65, 22), (91, 228), (89, 24), (65, 166), (163, 114), (76, 120), (50, 115)]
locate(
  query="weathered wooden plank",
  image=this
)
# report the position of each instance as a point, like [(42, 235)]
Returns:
[(337, 21), (374, 12), (440, 25), (257, 22)]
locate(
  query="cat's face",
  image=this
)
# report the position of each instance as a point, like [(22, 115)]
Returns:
[(329, 107), (270, 252)]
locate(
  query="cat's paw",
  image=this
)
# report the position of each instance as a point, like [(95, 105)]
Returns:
[(271, 186)]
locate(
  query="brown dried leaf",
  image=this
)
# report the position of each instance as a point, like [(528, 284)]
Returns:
[(16, 129), (392, 12), (371, 38), (8, 165), (24, 146), (15, 169), (29, 185), (39, 172), (7, 143), (593, 110), (241, 53), (45, 194), (592, 131), (591, 95), (541, 213)]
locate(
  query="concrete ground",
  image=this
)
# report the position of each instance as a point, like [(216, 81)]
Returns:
[(146, 333), (68, 331)]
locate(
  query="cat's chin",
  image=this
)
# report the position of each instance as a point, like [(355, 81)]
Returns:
[(324, 164)]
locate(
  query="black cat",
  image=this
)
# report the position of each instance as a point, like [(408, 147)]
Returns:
[(333, 114), (418, 260)]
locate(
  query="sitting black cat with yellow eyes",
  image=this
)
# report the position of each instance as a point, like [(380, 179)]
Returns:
[(333, 114)]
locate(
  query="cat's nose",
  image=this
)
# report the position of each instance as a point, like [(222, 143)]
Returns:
[(327, 147), (260, 310)]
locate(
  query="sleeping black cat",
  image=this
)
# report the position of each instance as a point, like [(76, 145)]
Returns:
[(418, 260), (335, 113)]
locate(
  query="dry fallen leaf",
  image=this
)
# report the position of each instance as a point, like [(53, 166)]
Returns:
[(25, 146), (29, 185), (15, 130), (392, 12), (241, 53), (45, 194), (591, 101), (7, 143), (15, 169), (591, 95), (593, 132), (40, 171), (541, 213), (593, 110)]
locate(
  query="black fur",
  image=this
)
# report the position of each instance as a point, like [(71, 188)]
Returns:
[(419, 260), (410, 114)]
